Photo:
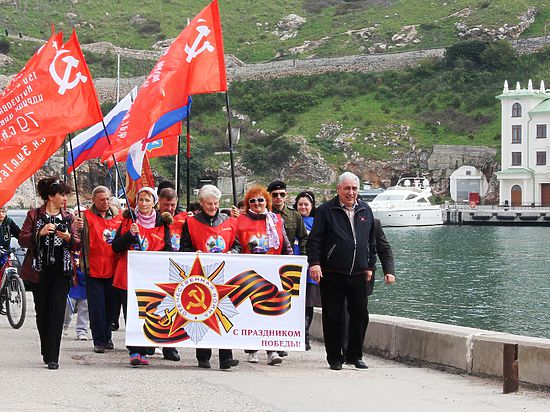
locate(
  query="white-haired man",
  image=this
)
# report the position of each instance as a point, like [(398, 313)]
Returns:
[(341, 253)]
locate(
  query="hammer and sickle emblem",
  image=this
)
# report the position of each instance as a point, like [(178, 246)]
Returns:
[(199, 302), (194, 50), (64, 83)]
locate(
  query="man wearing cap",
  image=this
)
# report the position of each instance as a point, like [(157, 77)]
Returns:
[(293, 223), (292, 220)]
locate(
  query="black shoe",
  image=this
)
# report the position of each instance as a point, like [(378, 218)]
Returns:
[(229, 363), (205, 364), (53, 365), (308, 347), (282, 353), (336, 366), (360, 364), (171, 355), (109, 345), (114, 327), (99, 349)]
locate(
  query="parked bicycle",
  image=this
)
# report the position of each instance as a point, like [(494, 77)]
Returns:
[(13, 301)]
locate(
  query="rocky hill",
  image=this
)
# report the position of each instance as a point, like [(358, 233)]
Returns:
[(386, 138)]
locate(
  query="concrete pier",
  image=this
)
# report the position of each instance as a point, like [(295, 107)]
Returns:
[(496, 216), (454, 348)]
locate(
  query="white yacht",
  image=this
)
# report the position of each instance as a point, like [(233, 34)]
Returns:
[(407, 204)]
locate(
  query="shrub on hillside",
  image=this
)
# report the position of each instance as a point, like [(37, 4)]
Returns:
[(4, 45), (149, 27), (470, 51), (498, 55)]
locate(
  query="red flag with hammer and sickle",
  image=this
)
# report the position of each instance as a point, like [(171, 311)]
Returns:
[(193, 64), (52, 96)]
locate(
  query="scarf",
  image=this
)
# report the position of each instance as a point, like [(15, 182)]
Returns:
[(273, 241), (148, 222)]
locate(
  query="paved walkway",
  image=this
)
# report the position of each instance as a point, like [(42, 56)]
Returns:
[(90, 381)]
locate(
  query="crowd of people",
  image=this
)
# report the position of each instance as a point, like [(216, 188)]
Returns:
[(89, 250)]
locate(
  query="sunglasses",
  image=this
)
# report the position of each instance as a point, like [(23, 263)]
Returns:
[(278, 194), (259, 200)]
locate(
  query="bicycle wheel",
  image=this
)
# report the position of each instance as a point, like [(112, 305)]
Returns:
[(16, 302)]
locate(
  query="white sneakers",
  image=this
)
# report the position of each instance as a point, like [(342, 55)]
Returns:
[(253, 357), (82, 337), (273, 358)]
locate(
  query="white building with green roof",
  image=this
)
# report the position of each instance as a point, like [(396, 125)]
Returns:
[(525, 175)]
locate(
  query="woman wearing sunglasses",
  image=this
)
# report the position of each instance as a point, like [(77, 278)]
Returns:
[(260, 231)]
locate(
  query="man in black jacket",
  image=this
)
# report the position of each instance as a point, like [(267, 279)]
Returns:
[(341, 253)]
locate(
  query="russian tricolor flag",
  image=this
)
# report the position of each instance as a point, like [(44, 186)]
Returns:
[(93, 142), (137, 151)]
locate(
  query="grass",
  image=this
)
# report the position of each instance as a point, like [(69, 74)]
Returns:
[(246, 33)]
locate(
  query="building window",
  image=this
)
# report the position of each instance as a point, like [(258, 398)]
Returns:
[(516, 110), (516, 158), (541, 158), (541, 131), (516, 134)]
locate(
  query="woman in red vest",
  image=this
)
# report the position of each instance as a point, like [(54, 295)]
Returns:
[(261, 231), (149, 231), (212, 232)]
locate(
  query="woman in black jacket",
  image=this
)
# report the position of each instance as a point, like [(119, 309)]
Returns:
[(50, 234)]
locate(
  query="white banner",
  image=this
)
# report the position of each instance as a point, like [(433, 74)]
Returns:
[(210, 300)]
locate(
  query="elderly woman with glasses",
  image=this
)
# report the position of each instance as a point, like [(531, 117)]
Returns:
[(261, 231), (147, 230), (50, 234), (210, 231)]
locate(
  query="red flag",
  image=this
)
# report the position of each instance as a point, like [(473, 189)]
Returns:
[(132, 186), (53, 96), (18, 163), (193, 64)]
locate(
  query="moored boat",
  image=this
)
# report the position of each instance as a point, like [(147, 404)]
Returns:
[(407, 204)]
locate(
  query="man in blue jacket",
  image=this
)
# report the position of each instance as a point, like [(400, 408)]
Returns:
[(341, 251)]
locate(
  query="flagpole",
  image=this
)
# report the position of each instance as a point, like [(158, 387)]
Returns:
[(83, 252), (188, 157), (118, 173), (176, 170), (74, 174), (231, 149), (65, 160), (117, 101)]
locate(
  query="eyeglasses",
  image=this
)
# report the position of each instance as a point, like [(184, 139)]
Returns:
[(254, 200), (55, 183), (278, 194)]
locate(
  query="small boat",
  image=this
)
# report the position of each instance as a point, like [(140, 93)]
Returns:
[(407, 204)]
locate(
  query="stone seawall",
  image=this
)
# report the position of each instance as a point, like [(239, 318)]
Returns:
[(460, 349)]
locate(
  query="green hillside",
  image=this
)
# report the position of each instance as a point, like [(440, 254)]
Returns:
[(249, 25), (441, 102)]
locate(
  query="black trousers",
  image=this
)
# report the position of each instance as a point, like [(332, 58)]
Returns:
[(100, 308), (335, 288), (50, 299), (206, 354), (345, 321)]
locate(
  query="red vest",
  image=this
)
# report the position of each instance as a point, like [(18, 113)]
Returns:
[(210, 239), (252, 235), (175, 230), (101, 257), (151, 239)]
